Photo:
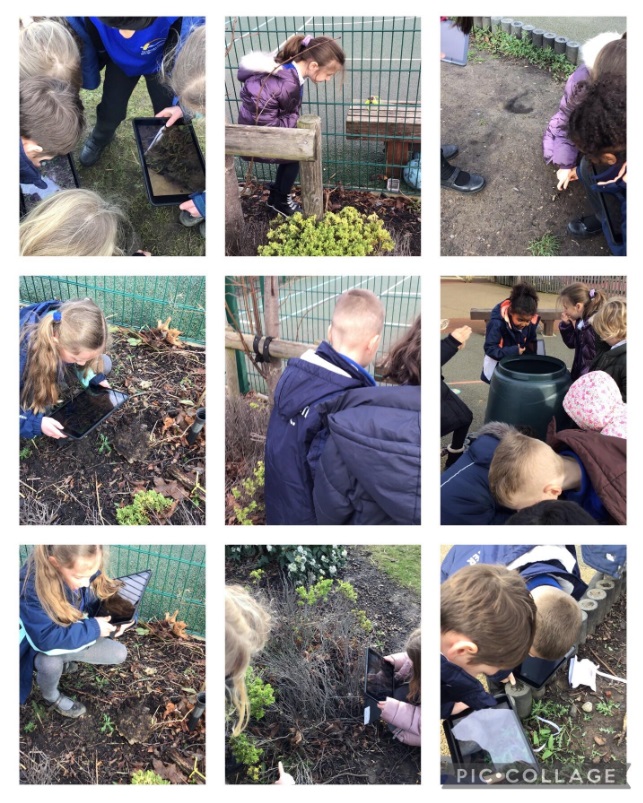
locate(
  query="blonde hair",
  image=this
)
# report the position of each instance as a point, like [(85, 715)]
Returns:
[(51, 114), (246, 631), (558, 622), (50, 586), (185, 71), (48, 48), (611, 319), (81, 327), (358, 315), (513, 468), (74, 223), (413, 649)]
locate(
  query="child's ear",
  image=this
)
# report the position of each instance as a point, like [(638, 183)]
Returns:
[(552, 490), (373, 343), (329, 333), (30, 147), (609, 159)]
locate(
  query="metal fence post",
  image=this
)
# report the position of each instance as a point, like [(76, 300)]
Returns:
[(232, 312), (312, 188)]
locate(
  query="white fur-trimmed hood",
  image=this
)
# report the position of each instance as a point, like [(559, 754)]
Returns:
[(593, 46), (257, 62)]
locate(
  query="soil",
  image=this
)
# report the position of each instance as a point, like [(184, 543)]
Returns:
[(345, 751), (137, 717), (496, 110), (175, 161), (58, 170), (142, 446), (399, 213)]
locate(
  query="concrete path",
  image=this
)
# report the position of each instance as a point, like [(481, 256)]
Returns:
[(579, 29)]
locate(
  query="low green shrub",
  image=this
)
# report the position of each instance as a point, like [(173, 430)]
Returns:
[(145, 502), (148, 777), (346, 233), (248, 495), (301, 563)]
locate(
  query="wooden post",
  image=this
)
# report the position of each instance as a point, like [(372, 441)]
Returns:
[(271, 318), (231, 375), (312, 188), (234, 213)]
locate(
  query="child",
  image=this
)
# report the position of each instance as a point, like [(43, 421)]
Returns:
[(75, 223), (55, 335), (60, 587), (48, 48), (273, 87), (455, 416), (369, 471), (403, 713), (512, 328), (334, 367), (598, 128), (247, 625), (594, 402), (601, 55), (552, 576), (51, 123), (185, 74), (610, 324), (128, 48), (489, 482), (487, 622), (580, 303)]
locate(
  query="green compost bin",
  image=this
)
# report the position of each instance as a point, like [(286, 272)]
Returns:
[(529, 390)]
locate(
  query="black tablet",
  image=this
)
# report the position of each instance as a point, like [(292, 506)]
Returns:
[(61, 170), (379, 683), (171, 159), (87, 410), (453, 43), (535, 672), (491, 738), (124, 605)]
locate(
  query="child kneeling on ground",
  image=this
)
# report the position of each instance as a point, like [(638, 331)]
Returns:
[(403, 713)]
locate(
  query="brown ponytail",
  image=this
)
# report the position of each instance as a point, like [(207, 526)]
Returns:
[(321, 49)]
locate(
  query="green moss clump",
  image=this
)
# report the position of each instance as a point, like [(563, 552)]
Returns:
[(348, 233)]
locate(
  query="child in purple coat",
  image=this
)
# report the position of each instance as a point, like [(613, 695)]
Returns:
[(273, 87), (602, 54), (580, 303)]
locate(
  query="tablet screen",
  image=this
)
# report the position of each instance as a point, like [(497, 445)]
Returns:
[(80, 415), (537, 671), (380, 676), (60, 170), (124, 604), (453, 43), (173, 166)]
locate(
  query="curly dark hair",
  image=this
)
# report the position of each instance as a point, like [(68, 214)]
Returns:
[(523, 299), (598, 124)]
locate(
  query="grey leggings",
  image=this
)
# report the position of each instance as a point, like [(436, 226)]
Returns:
[(50, 667)]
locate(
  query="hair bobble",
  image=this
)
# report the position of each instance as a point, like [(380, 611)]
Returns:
[(306, 40), (592, 293), (57, 316)]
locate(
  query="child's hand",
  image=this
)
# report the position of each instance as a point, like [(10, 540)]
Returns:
[(382, 703), (142, 253), (52, 428), (389, 659), (564, 176), (521, 349), (459, 707), (284, 778), (190, 206), (122, 628), (462, 334), (622, 174), (106, 628), (173, 113), (104, 384)]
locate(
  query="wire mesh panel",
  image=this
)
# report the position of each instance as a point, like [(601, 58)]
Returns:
[(177, 581), (131, 301), (306, 306), (613, 285), (370, 114)]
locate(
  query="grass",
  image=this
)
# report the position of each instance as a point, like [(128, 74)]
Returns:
[(547, 246), (400, 563), (118, 177), (504, 44)]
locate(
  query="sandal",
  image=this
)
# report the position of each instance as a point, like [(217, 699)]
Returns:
[(77, 709)]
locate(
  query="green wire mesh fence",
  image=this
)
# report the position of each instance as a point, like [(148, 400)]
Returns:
[(363, 143), (306, 306), (613, 285), (177, 581), (131, 301)]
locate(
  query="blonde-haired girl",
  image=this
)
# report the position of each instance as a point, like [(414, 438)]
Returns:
[(60, 587), (74, 223), (53, 335), (610, 324), (403, 713)]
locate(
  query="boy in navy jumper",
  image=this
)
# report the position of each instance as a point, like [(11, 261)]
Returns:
[(334, 367), (128, 48), (487, 621)]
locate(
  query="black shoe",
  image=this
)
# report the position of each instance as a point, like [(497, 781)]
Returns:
[(474, 182), (92, 150), (449, 151), (284, 205), (588, 226)]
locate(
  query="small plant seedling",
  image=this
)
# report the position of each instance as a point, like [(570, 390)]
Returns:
[(547, 246), (107, 726), (148, 777), (30, 727), (145, 503), (104, 446), (256, 575), (101, 681), (607, 708), (25, 452)]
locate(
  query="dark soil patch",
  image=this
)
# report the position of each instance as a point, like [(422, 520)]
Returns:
[(501, 139), (341, 749), (400, 215), (149, 698), (142, 446)]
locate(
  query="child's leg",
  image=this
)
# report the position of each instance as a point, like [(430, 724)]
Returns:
[(160, 95), (279, 198)]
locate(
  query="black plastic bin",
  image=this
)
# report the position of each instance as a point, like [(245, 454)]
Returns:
[(529, 390)]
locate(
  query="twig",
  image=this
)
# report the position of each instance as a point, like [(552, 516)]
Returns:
[(602, 661), (100, 512)]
